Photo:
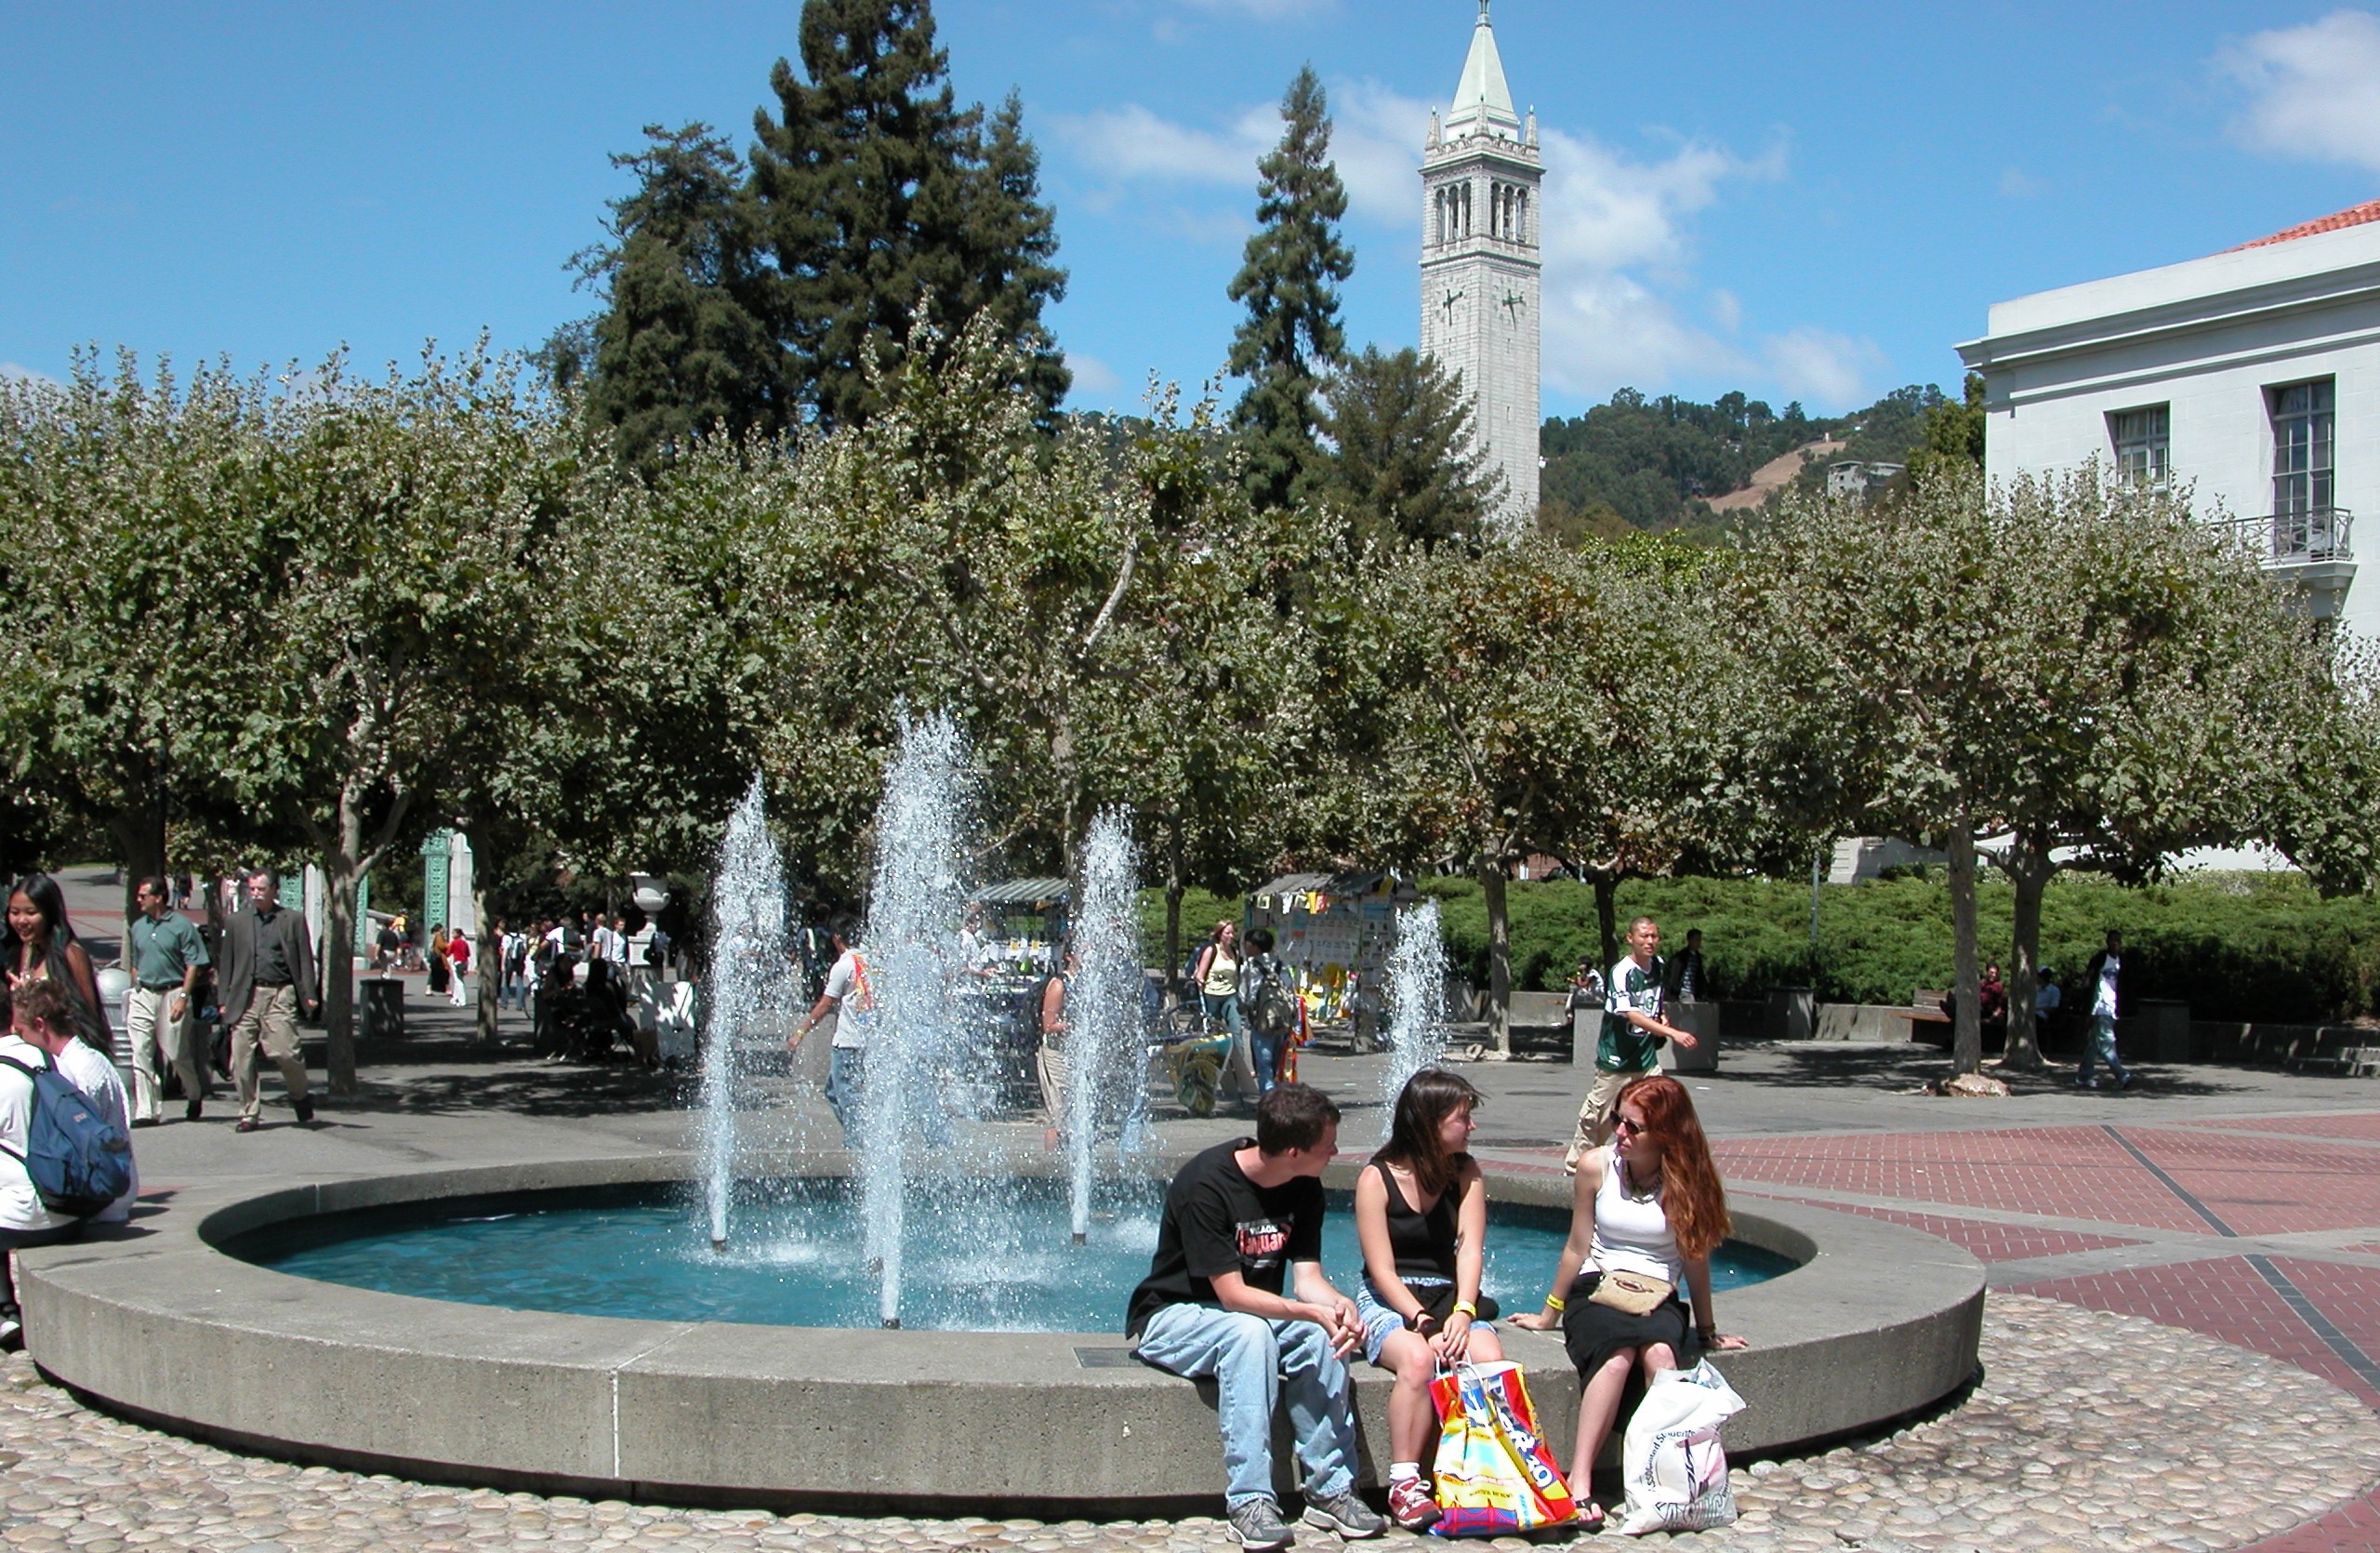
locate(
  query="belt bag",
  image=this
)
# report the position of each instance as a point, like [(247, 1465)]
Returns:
[(1632, 1294)]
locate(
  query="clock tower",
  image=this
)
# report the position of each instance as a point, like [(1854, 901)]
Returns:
[(1480, 172)]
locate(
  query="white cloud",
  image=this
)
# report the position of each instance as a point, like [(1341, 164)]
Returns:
[(1823, 365), (2017, 184), (15, 373), (1130, 144), (1093, 377), (1727, 309), (2314, 89)]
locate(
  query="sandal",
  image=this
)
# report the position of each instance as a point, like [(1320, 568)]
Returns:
[(1590, 1516)]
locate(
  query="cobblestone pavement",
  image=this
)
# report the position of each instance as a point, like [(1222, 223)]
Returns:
[(2088, 1431)]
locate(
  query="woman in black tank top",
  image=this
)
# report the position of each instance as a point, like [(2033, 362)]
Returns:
[(1421, 1218)]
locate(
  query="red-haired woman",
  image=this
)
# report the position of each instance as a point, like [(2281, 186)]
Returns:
[(1647, 1210)]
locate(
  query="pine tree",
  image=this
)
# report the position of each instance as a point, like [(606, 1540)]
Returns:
[(682, 346), (1293, 266), (1409, 462), (879, 193)]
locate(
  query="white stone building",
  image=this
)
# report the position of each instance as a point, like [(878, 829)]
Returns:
[(2250, 378), (1480, 172)]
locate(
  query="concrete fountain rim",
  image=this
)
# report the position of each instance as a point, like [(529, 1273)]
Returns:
[(1878, 1321)]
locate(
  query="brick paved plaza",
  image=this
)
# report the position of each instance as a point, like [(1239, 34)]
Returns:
[(2240, 1205)]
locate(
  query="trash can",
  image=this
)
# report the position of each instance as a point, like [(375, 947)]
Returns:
[(1792, 1014), (381, 1008)]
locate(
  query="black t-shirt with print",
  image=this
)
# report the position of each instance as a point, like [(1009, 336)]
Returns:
[(1219, 1221)]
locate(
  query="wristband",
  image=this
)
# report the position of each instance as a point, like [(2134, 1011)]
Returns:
[(1708, 1334), (1553, 1302), (1465, 1307)]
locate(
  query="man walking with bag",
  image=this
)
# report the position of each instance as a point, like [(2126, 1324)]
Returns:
[(1236, 1292), (267, 979), (166, 955)]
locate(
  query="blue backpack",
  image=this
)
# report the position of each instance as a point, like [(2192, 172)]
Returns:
[(77, 1158)]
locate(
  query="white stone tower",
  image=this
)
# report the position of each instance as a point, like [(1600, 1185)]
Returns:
[(1480, 172)]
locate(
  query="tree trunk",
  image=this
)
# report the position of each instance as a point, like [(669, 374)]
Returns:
[(1500, 955), (488, 959), (1967, 1028), (337, 956), (138, 828), (1173, 918), (1607, 917), (2030, 870)]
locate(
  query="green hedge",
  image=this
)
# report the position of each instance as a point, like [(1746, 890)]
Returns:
[(2233, 946)]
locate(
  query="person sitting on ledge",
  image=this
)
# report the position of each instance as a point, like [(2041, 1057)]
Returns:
[(1241, 1220)]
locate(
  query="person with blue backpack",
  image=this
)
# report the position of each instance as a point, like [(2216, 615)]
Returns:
[(65, 1155)]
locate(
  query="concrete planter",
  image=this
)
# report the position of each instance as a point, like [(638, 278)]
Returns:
[(1702, 1022)]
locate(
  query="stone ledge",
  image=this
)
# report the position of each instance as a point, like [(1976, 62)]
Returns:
[(1880, 1323)]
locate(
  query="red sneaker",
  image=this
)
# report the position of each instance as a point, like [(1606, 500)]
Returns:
[(1410, 1503)]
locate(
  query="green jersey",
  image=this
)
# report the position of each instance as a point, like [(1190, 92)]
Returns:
[(1624, 1048)]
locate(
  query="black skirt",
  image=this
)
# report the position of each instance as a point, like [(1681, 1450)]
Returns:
[(1593, 1333)]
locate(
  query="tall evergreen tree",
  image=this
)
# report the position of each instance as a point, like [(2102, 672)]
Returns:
[(1409, 462), (682, 345), (1290, 282), (880, 193)]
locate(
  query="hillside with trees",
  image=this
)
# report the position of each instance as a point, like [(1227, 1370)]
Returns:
[(1655, 464)]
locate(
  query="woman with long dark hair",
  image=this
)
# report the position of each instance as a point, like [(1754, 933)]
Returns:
[(42, 946), (1646, 1214), (1422, 1219)]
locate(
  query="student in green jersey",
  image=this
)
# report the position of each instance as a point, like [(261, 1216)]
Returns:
[(1632, 1032)]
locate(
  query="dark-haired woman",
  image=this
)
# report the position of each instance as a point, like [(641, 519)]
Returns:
[(1647, 1210), (42, 946), (1422, 1219)]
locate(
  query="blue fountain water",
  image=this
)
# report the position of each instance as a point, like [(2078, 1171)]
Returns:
[(798, 1259)]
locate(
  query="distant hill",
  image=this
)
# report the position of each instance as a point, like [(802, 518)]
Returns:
[(1669, 464)]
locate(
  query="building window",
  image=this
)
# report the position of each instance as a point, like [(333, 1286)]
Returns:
[(2302, 425), (2144, 443)]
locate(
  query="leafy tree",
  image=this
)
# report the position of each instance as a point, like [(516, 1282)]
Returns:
[(1406, 461), (878, 191), (1953, 433), (682, 346), (127, 569), (1288, 281), (2060, 662), (401, 538)]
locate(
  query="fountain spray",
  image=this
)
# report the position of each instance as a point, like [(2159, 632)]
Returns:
[(1103, 1046), (750, 974), (1417, 1003)]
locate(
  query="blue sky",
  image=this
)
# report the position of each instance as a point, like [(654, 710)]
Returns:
[(1801, 202)]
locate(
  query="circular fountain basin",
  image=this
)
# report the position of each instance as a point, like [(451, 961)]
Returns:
[(1872, 1322), (795, 1256)]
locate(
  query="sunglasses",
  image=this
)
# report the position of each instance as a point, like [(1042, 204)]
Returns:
[(1625, 1125)]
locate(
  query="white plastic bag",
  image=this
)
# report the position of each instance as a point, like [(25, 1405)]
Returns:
[(1675, 1469)]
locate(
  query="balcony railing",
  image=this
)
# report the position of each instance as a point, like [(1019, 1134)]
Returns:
[(2298, 538)]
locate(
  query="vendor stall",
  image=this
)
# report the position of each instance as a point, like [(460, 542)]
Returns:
[(1014, 950), (1334, 931)]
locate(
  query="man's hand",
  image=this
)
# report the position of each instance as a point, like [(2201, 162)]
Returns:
[(313, 1008), (177, 1006), (1681, 1038), (1339, 1321)]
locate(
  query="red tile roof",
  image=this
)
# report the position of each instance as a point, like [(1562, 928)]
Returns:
[(2354, 216)]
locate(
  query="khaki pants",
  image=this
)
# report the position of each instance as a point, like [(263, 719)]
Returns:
[(1596, 1114), (271, 1019), (156, 1043)]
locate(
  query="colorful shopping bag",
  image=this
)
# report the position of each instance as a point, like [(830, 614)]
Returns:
[(1494, 1473)]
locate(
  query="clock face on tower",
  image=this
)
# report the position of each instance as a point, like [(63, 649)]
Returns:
[(1454, 294), (1513, 304)]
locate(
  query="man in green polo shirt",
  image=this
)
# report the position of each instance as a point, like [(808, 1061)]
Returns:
[(167, 956)]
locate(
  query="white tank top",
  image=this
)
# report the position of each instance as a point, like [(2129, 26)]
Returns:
[(1632, 1235)]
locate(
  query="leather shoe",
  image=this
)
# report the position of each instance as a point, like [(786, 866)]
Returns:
[(305, 1107), (192, 1111)]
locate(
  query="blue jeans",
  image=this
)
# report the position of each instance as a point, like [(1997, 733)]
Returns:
[(844, 1066), (1248, 1357), (2102, 1048), (1268, 1050)]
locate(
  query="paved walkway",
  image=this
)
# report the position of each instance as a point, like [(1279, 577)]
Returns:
[(2241, 1205)]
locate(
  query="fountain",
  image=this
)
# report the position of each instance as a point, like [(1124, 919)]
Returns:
[(1106, 1061), (916, 1050), (1417, 1002), (750, 974)]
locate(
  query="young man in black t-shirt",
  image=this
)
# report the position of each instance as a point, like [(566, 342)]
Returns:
[(1235, 1291)]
